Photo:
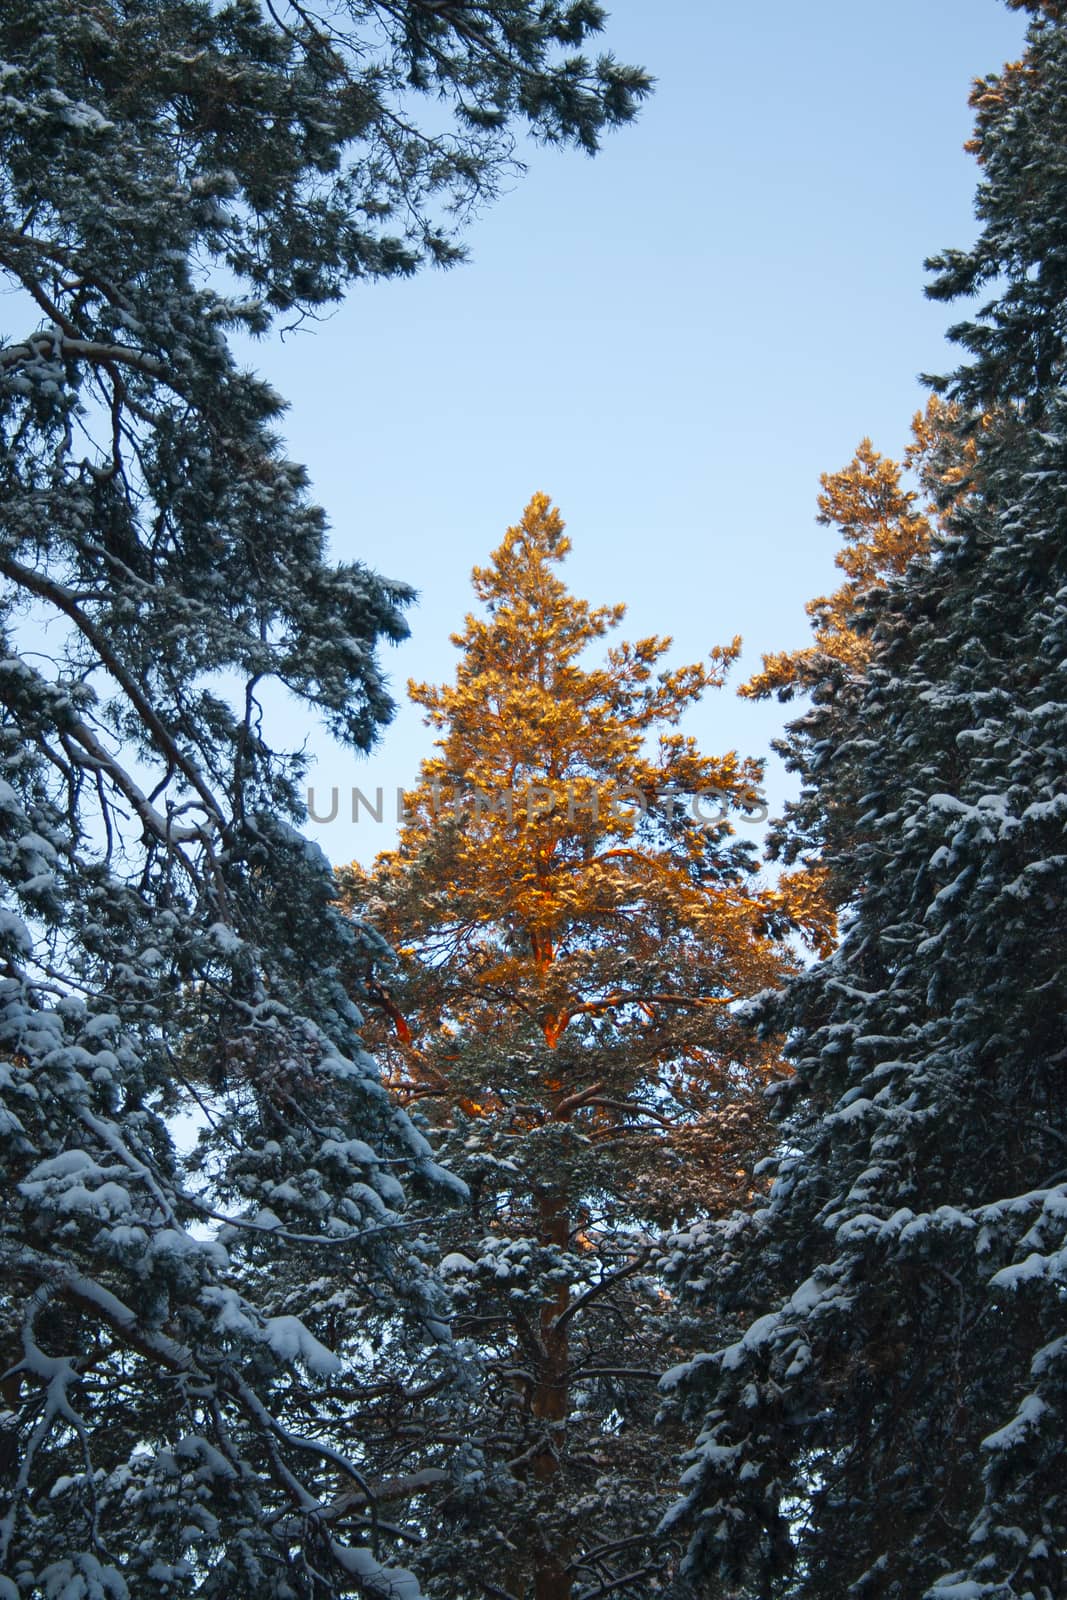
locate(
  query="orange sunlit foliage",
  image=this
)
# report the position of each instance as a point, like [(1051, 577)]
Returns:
[(883, 525), (573, 937), (552, 884)]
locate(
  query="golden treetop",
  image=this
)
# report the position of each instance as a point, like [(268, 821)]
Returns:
[(555, 884), (883, 525)]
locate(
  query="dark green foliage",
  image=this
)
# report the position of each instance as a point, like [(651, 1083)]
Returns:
[(890, 1418), (191, 1409)]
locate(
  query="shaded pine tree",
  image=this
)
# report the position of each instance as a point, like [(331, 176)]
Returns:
[(194, 1349), (889, 1420)]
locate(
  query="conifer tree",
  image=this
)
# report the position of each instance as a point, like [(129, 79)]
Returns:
[(889, 1420), (884, 522), (196, 1351), (572, 940)]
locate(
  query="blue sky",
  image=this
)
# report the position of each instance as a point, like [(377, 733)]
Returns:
[(672, 340)]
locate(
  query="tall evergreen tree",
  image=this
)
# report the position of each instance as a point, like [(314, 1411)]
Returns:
[(882, 523), (889, 1420), (192, 1408), (572, 940), (886, 513)]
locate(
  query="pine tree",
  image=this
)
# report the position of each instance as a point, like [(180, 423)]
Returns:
[(884, 521), (199, 1355), (889, 1420), (571, 940), (882, 525)]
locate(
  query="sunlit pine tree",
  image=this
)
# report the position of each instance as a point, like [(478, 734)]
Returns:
[(885, 513), (883, 522), (575, 921)]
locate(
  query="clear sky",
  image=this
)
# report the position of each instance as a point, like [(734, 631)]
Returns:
[(672, 340)]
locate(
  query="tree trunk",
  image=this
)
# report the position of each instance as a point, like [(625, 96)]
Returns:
[(551, 1396)]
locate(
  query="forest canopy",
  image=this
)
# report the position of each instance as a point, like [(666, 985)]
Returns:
[(576, 1201)]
